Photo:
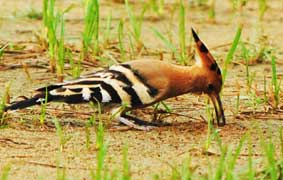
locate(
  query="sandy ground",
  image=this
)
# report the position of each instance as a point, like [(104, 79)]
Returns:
[(33, 150)]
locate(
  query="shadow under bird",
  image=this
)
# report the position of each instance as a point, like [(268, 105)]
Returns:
[(137, 84)]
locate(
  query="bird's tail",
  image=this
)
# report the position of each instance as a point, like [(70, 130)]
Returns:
[(80, 91), (35, 100)]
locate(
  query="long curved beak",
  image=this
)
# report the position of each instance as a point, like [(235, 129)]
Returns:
[(218, 109)]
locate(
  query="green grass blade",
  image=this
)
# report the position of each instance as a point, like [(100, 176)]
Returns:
[(275, 84), (5, 172), (91, 27), (166, 42), (126, 166), (182, 33), (231, 52), (121, 39)]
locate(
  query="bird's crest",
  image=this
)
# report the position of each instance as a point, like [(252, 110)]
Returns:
[(205, 58)]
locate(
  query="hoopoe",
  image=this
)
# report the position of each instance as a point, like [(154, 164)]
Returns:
[(137, 84)]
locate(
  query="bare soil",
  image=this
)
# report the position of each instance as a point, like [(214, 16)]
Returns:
[(33, 150)]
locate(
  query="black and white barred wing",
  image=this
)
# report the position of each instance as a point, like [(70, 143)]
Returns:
[(117, 85)]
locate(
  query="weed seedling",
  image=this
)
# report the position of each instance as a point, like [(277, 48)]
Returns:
[(107, 29), (75, 66), (245, 55), (271, 170), (232, 157), (101, 152), (91, 27), (262, 7), (3, 101), (63, 139), (126, 166), (211, 12), (136, 24), (60, 170), (166, 41), (231, 52), (5, 172), (121, 39), (50, 22), (157, 6), (182, 34), (275, 83), (265, 90), (2, 52), (186, 172), (61, 51)]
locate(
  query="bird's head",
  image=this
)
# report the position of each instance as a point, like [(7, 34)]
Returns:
[(210, 78)]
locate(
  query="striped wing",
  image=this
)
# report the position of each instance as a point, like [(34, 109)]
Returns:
[(119, 84)]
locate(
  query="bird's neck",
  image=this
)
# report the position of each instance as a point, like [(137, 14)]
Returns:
[(185, 79)]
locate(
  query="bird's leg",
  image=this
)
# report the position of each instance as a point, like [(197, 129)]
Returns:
[(131, 121)]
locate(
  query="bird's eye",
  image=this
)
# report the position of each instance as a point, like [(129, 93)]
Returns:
[(210, 87)]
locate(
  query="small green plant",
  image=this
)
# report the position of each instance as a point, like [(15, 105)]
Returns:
[(237, 5), (126, 166), (186, 172), (61, 51), (136, 24), (255, 100), (157, 6), (106, 35), (163, 104), (211, 12), (50, 22), (89, 124), (101, 152), (5, 172), (75, 66), (91, 27), (262, 7), (60, 169), (231, 52), (275, 83), (271, 169), (182, 33), (56, 46), (2, 51), (166, 41), (211, 132), (265, 89), (3, 101), (121, 39), (246, 56), (63, 139), (231, 159)]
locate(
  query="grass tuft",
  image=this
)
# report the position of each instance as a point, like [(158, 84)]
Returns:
[(91, 27), (136, 24)]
